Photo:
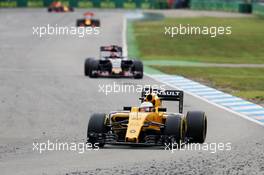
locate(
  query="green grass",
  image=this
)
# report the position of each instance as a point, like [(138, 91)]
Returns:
[(34, 3), (85, 4), (129, 5), (247, 83), (8, 4), (107, 4), (244, 45)]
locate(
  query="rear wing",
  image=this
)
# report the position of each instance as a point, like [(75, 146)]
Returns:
[(165, 95), (112, 48)]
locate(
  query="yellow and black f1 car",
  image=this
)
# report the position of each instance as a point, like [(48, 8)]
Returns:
[(57, 6), (148, 124), (112, 63), (88, 21)]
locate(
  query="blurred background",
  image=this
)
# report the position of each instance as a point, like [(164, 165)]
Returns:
[(212, 60), (244, 6)]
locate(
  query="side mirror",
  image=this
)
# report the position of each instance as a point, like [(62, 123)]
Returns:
[(162, 109), (127, 108)]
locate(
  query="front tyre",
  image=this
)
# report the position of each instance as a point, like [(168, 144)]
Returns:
[(174, 129), (87, 66), (93, 69), (196, 122), (138, 69), (97, 129)]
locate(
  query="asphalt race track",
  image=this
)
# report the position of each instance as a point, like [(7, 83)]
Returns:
[(45, 96)]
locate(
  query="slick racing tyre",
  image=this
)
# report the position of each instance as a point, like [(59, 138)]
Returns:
[(87, 66), (60, 9), (96, 23), (196, 122), (138, 69), (96, 129), (174, 129), (94, 66), (80, 22), (71, 9)]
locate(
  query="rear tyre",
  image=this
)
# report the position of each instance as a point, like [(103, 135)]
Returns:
[(97, 129), (79, 22), (94, 66), (61, 9), (71, 9), (174, 129), (196, 122), (96, 23), (138, 69), (87, 66)]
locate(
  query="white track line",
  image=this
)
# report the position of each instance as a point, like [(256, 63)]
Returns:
[(124, 36)]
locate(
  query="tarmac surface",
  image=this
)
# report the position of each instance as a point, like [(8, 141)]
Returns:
[(44, 95)]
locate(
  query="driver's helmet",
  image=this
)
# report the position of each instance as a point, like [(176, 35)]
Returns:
[(146, 107), (113, 55), (57, 4), (88, 15)]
